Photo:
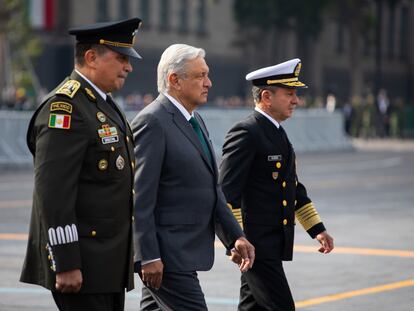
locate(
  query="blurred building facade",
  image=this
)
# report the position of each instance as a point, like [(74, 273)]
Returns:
[(334, 63)]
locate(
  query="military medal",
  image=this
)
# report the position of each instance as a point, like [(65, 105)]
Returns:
[(108, 134), (275, 175), (101, 117), (120, 163)]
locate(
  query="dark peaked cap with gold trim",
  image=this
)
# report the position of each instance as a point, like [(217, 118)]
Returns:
[(118, 36), (283, 75)]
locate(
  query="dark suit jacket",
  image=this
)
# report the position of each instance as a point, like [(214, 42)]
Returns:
[(178, 204), (82, 201), (258, 176)]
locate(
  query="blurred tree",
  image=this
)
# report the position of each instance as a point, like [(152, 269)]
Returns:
[(357, 16), (16, 36), (264, 27)]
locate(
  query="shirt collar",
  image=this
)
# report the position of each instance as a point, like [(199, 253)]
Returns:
[(102, 94), (180, 107), (267, 116)]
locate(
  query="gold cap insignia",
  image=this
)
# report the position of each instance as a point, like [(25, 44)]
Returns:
[(297, 69)]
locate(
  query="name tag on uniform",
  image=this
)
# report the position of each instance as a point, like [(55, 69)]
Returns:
[(110, 139), (275, 157)]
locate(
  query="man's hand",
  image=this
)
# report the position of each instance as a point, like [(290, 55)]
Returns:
[(246, 251), (235, 257), (151, 274), (327, 243), (69, 281)]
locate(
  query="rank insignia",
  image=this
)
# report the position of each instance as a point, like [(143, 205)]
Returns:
[(101, 117), (275, 175), (90, 94), (120, 162), (61, 106), (108, 134), (275, 157), (59, 121), (69, 88), (102, 164)]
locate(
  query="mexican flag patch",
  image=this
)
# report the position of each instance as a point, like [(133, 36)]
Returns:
[(59, 121)]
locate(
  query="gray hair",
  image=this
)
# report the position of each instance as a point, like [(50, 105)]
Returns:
[(173, 60), (257, 92)]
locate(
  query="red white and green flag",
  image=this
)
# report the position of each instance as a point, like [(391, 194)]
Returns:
[(59, 121), (42, 14)]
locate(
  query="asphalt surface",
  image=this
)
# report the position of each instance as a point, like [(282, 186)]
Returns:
[(365, 198)]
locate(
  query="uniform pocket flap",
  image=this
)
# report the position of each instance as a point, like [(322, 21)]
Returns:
[(97, 227)]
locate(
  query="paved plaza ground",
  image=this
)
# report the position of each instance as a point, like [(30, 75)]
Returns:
[(365, 197)]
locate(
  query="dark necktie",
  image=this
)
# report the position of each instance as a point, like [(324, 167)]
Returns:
[(196, 126), (118, 115), (283, 134)]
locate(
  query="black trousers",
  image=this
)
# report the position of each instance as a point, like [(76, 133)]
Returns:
[(179, 291), (90, 302), (265, 288)]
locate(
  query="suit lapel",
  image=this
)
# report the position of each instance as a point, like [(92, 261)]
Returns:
[(185, 127), (101, 104)]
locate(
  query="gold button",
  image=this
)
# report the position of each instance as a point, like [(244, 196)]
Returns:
[(112, 148), (133, 218), (127, 138), (296, 202), (49, 257), (133, 191), (93, 233), (278, 165), (132, 165), (284, 184), (285, 222), (284, 202), (296, 183), (102, 164)]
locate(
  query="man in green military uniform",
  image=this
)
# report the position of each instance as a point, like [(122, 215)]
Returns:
[(80, 238), (258, 176)]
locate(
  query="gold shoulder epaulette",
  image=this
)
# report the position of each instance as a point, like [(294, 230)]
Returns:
[(69, 88)]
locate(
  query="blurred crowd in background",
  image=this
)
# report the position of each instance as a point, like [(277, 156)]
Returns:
[(368, 116)]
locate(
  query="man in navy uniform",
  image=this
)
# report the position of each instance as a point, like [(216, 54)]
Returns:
[(80, 241), (258, 176)]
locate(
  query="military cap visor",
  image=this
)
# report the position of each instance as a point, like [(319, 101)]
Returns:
[(118, 36), (284, 75)]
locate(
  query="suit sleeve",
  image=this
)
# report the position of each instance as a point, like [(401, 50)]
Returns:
[(59, 155), (149, 154), (306, 212), (237, 158)]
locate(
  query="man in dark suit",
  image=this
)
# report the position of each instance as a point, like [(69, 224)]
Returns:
[(258, 176), (80, 240), (178, 203)]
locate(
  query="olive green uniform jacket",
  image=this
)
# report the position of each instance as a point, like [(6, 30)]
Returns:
[(83, 198)]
